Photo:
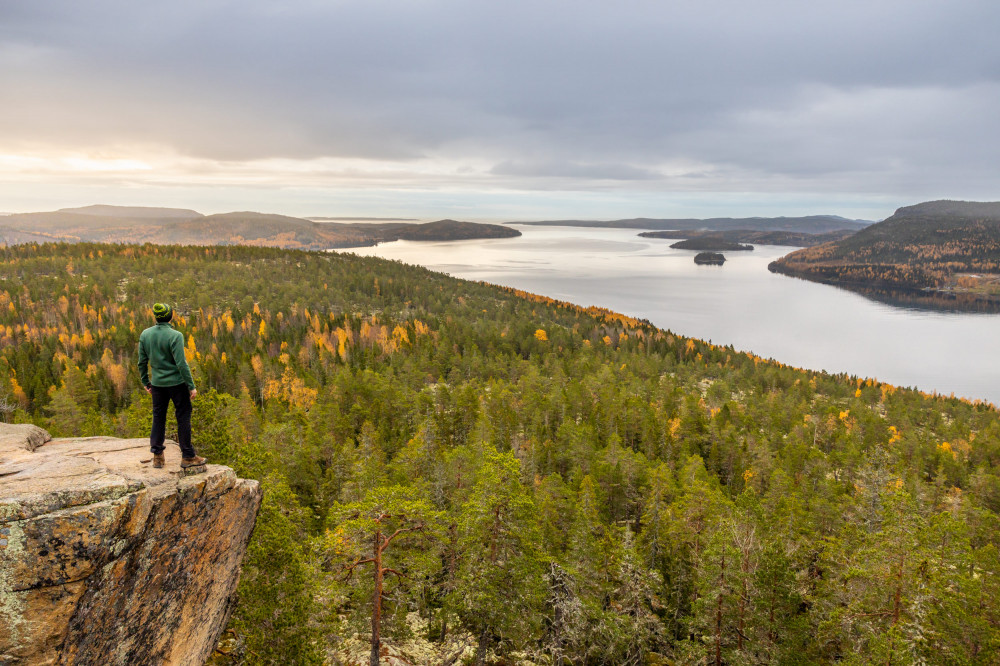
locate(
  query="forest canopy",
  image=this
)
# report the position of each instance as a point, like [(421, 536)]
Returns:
[(522, 478)]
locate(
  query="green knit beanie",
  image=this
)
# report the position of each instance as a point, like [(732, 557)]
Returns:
[(162, 311)]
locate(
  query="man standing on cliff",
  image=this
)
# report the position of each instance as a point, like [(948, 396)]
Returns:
[(162, 349)]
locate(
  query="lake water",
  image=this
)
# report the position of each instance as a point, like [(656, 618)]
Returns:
[(794, 321)]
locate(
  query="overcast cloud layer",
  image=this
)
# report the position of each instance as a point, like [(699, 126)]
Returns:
[(493, 109)]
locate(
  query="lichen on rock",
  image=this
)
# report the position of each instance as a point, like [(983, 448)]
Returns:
[(106, 560)]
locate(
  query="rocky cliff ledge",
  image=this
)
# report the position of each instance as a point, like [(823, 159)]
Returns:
[(105, 560)]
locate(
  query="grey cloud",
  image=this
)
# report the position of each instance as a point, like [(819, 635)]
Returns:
[(552, 89), (574, 170)]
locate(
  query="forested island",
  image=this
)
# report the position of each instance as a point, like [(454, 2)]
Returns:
[(710, 258), (711, 245), (536, 482), (137, 224), (949, 250)]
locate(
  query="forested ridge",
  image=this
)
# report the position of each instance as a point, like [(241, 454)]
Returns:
[(942, 246), (526, 481)]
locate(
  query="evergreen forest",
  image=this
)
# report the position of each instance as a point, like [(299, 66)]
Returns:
[(456, 472)]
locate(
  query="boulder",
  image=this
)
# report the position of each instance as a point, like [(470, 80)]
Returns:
[(106, 560)]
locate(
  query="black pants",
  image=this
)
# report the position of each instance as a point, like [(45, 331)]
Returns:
[(181, 397)]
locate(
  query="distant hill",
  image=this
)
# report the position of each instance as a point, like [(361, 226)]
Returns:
[(953, 229), (319, 218), (120, 224), (9, 236), (292, 232), (61, 222), (813, 224), (253, 218), (133, 212), (96, 223), (948, 248), (251, 228)]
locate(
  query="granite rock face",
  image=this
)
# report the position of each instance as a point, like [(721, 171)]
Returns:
[(106, 560)]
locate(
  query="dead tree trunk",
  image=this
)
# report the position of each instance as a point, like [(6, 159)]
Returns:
[(377, 600), (718, 612)]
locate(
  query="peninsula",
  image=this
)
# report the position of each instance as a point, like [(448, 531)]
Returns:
[(947, 251)]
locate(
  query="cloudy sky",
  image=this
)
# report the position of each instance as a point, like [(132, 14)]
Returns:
[(500, 110)]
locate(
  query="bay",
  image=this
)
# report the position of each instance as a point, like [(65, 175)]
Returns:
[(794, 321)]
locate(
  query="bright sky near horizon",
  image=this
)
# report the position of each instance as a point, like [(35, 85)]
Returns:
[(499, 110)]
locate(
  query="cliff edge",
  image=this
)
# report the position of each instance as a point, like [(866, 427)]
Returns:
[(105, 560)]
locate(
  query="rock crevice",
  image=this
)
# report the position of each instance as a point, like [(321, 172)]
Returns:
[(106, 560)]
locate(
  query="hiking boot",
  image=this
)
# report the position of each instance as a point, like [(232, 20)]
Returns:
[(158, 461), (192, 462)]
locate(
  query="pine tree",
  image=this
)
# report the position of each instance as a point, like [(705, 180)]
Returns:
[(633, 606), (500, 589), (386, 533), (276, 587)]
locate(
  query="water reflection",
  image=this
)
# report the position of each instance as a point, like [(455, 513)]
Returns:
[(912, 299)]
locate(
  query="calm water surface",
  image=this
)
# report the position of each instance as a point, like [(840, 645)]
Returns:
[(796, 322)]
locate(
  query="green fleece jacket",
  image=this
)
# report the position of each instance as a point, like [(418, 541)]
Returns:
[(161, 348)]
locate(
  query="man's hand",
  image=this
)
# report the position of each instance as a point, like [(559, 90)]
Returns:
[(194, 392), (149, 389)]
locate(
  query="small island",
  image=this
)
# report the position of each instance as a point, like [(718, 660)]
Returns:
[(709, 259)]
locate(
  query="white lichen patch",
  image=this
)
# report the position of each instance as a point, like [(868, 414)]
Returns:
[(11, 604), (8, 511), (417, 650)]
